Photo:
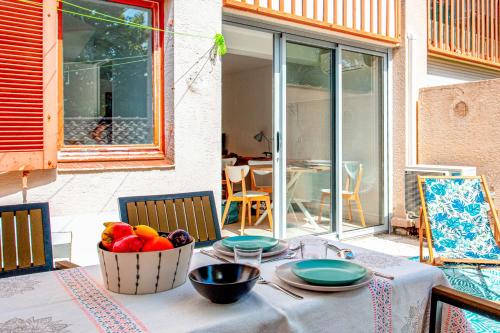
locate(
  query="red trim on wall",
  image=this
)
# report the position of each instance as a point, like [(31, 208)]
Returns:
[(131, 152)]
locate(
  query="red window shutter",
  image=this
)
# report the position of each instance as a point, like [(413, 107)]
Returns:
[(21, 84)]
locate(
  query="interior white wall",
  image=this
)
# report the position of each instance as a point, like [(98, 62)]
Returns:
[(247, 109)]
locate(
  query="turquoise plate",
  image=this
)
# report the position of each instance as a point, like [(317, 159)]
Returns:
[(250, 242), (325, 272)]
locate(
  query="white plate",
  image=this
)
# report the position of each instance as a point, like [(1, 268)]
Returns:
[(278, 249), (284, 273)]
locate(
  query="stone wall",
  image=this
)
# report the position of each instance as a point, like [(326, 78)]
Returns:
[(458, 125)]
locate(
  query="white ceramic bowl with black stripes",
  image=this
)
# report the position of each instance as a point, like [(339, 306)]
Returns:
[(137, 273)]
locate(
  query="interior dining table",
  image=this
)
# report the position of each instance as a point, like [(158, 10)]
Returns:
[(294, 172), (76, 300)]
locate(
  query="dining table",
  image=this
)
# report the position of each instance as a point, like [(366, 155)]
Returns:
[(295, 171), (76, 300)]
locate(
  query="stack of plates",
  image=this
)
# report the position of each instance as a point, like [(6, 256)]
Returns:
[(270, 246), (324, 274)]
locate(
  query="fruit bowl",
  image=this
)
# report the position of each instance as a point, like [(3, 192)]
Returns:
[(137, 273), (224, 283)]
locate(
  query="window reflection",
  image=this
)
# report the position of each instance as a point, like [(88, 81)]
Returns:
[(309, 139), (362, 140)]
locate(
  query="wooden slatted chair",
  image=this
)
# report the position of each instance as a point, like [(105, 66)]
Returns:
[(194, 212), (25, 239)]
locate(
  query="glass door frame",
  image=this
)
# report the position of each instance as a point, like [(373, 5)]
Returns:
[(280, 131), (386, 162)]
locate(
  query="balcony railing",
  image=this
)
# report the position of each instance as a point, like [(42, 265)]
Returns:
[(371, 19), (465, 30)]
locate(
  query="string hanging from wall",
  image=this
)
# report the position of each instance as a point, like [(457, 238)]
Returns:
[(217, 49), (218, 38)]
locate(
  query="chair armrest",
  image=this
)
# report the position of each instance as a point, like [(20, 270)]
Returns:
[(463, 301), (64, 264)]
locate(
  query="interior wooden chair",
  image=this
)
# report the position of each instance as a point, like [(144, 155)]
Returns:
[(348, 195), (460, 221), (25, 239), (258, 171), (236, 175), (194, 212)]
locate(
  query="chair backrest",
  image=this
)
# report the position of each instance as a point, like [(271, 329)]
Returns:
[(194, 212), (359, 177), (26, 245), (228, 162), (254, 164), (455, 210), (259, 162), (354, 172), (237, 174), (260, 177)]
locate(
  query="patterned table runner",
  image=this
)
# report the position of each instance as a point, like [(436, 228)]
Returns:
[(100, 307)]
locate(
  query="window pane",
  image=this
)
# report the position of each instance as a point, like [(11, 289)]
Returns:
[(107, 71), (308, 139), (362, 140)]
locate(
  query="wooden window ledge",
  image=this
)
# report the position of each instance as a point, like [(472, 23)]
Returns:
[(75, 167)]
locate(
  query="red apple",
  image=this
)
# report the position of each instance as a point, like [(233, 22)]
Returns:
[(157, 244), (114, 231), (130, 243)]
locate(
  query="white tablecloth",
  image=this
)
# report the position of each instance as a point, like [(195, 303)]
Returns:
[(75, 301)]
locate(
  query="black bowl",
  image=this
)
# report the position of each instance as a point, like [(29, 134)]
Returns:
[(224, 283)]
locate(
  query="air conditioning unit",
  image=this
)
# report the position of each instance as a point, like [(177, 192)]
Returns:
[(412, 195)]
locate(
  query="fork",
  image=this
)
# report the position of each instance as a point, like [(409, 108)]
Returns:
[(280, 288), (289, 255), (213, 255)]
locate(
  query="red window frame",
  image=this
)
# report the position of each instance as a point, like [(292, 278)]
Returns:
[(144, 152)]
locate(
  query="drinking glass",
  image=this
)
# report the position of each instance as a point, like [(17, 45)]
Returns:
[(250, 257), (313, 248)]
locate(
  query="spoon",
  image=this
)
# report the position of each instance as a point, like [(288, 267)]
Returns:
[(349, 255), (342, 253)]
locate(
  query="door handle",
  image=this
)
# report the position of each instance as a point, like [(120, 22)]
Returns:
[(277, 142)]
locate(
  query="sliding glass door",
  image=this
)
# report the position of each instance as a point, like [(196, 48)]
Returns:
[(319, 108)]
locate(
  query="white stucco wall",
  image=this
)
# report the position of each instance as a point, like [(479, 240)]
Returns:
[(80, 202)]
